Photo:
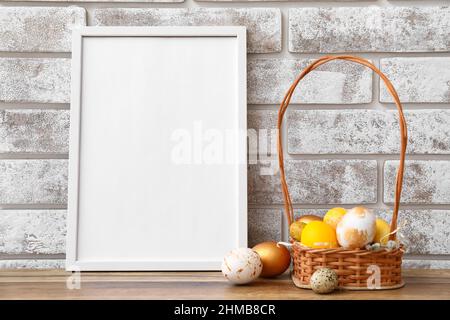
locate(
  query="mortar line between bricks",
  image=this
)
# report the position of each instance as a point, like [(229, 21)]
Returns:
[(251, 107), (32, 206), (62, 256), (380, 107), (290, 156), (366, 55), (368, 156), (321, 206), (31, 105), (30, 256), (34, 156), (380, 189), (274, 206), (36, 55), (427, 256)]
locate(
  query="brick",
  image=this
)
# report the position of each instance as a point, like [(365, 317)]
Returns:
[(417, 80), (314, 182), (421, 231), (39, 29), (263, 24), (34, 80), (33, 181), (32, 231), (264, 225), (424, 181), (32, 130), (366, 131), (262, 119), (262, 133), (40, 264), (369, 29), (409, 263), (338, 82)]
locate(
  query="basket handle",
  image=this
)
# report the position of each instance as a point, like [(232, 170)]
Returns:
[(289, 211)]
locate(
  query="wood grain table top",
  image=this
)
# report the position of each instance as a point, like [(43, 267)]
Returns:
[(51, 284)]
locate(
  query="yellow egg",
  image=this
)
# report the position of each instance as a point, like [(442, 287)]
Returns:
[(382, 230), (319, 235), (356, 228), (296, 228), (333, 216)]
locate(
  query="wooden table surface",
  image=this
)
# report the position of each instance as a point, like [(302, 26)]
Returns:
[(420, 284)]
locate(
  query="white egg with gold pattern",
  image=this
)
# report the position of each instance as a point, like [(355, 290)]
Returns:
[(357, 228), (241, 265)]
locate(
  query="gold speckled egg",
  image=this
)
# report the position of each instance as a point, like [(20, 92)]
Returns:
[(324, 280)]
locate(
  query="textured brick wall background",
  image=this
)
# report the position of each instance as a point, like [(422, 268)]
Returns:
[(341, 132)]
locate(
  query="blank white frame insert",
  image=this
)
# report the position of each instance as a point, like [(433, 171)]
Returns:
[(158, 161)]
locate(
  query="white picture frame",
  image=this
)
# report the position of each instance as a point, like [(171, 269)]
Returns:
[(137, 201)]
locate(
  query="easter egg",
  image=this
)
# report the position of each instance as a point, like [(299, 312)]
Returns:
[(275, 258), (296, 228), (307, 218), (334, 216), (356, 228), (382, 230), (241, 265), (324, 280), (319, 235)]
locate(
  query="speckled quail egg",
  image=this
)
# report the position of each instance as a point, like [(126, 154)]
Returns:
[(241, 265), (324, 280)]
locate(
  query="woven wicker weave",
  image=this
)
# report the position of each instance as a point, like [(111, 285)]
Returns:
[(353, 267)]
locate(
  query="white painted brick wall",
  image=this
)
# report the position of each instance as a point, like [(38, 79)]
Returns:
[(39, 29), (34, 131), (334, 83), (263, 25), (341, 132), (418, 80), (35, 181), (34, 80), (33, 231), (315, 182), (366, 131), (425, 181), (369, 29)]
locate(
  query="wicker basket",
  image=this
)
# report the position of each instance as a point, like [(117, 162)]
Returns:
[(353, 267)]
